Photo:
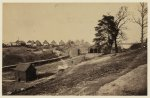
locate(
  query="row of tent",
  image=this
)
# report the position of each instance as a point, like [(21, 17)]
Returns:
[(45, 43), (33, 43)]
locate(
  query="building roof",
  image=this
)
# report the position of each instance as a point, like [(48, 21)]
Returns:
[(70, 43), (38, 42), (17, 41), (22, 67), (31, 41), (61, 42), (53, 43), (45, 42), (20, 41)]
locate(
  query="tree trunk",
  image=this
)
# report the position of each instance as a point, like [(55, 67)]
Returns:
[(142, 26), (142, 31), (110, 47), (142, 37), (116, 46)]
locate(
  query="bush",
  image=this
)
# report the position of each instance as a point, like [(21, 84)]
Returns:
[(11, 59), (105, 50), (15, 55)]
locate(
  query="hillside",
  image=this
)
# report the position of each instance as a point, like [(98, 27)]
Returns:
[(95, 76), (15, 55)]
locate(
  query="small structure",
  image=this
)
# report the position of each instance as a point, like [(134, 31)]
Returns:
[(3, 45), (94, 49), (54, 43), (70, 43), (58, 53), (20, 43), (38, 43), (25, 72), (61, 42), (13, 44), (45, 43), (74, 52), (7, 44), (77, 42), (30, 43)]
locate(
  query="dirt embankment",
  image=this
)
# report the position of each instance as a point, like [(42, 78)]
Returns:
[(90, 77), (132, 83)]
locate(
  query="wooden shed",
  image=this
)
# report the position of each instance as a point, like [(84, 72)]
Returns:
[(94, 49), (25, 72)]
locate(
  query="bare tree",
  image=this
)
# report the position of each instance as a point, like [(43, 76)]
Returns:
[(142, 20), (121, 19)]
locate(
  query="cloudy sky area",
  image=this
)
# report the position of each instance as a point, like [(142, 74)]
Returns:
[(49, 21)]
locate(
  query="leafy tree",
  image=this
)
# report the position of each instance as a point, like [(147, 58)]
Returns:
[(110, 28), (105, 31)]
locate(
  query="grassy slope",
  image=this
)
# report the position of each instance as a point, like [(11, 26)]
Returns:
[(14, 55), (88, 78)]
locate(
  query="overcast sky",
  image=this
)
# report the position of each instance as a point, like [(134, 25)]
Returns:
[(49, 21)]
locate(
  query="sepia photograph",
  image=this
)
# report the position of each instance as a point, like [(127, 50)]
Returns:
[(78, 49)]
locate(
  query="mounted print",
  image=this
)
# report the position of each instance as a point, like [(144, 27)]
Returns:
[(79, 49)]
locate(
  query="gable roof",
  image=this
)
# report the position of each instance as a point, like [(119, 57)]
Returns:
[(22, 67), (31, 41), (38, 42), (61, 42), (20, 41), (45, 42), (17, 41), (53, 43)]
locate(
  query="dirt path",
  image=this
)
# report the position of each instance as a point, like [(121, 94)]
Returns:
[(93, 61)]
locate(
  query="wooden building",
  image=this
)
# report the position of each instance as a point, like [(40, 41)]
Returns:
[(25, 72), (94, 49), (30, 43), (20, 43), (74, 52)]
